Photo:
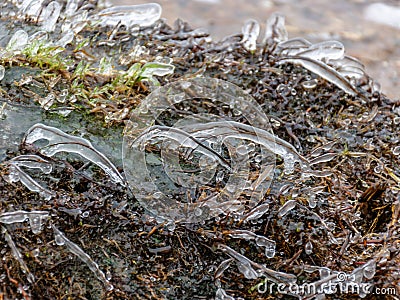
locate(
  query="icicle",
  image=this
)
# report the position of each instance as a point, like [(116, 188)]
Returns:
[(248, 267), (49, 16), (222, 267), (323, 51), (256, 212), (325, 72), (250, 31), (35, 217), (292, 47), (61, 239), (275, 30), (59, 141), (13, 217), (288, 206)]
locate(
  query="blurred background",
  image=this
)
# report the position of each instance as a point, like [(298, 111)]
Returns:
[(370, 30)]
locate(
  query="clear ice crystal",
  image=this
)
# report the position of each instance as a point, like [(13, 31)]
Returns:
[(308, 248), (275, 30)]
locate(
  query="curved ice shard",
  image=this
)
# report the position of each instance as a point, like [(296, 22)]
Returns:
[(17, 255), (325, 71), (293, 46), (60, 141), (61, 239), (16, 174), (324, 50), (142, 15), (32, 162)]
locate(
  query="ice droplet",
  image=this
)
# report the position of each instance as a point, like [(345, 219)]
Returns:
[(309, 84), (308, 248), (312, 203), (35, 220)]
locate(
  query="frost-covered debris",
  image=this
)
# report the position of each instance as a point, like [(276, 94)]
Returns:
[(36, 218), (61, 240), (59, 141), (17, 255)]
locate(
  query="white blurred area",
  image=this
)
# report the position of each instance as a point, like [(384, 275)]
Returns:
[(370, 30)]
